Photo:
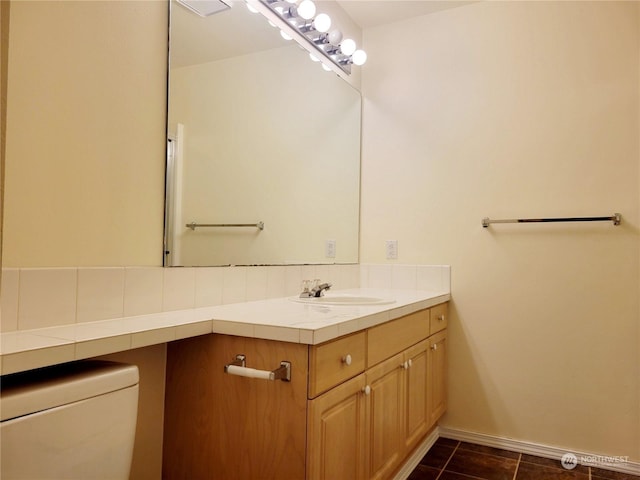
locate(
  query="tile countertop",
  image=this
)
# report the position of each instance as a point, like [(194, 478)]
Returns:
[(274, 319)]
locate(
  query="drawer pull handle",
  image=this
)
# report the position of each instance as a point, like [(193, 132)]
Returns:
[(346, 359), (238, 367), (441, 318), (407, 365), (366, 390)]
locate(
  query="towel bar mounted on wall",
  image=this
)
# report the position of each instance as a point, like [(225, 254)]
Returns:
[(616, 218), (194, 225)]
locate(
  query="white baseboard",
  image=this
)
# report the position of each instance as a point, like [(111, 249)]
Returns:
[(539, 450), (413, 461)]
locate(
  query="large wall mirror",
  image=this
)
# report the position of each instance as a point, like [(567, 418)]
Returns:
[(258, 135)]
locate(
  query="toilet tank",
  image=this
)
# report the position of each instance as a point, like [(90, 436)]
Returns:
[(73, 421)]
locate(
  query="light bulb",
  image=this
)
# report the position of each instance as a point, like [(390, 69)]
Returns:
[(285, 35), (359, 57), (348, 46), (313, 57), (322, 22), (251, 8), (307, 9), (335, 36), (328, 69)]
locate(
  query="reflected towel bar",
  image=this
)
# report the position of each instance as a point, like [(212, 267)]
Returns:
[(616, 218), (194, 225)]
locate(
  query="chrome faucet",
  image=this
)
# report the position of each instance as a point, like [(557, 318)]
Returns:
[(317, 290)]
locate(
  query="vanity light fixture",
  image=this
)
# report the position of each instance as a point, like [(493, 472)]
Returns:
[(298, 18)]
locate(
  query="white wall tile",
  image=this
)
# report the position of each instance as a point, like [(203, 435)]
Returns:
[(9, 299), (100, 294), (256, 283), (307, 272), (323, 273), (178, 289), (47, 297), (430, 277), (293, 279), (209, 282), (364, 276), (142, 290), (234, 286), (349, 276), (403, 276), (379, 276), (37, 298), (446, 277), (276, 277)]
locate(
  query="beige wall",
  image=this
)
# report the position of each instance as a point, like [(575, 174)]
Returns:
[(85, 155), (517, 109), (85, 134)]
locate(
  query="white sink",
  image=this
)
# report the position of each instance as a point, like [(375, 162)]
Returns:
[(344, 299)]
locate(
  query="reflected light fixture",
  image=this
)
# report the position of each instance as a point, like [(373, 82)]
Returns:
[(316, 29)]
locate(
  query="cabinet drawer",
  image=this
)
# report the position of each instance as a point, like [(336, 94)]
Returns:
[(393, 337), (336, 361), (439, 318)]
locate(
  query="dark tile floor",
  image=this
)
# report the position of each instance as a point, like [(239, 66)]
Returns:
[(454, 460)]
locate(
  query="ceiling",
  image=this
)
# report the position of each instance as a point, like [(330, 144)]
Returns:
[(371, 13)]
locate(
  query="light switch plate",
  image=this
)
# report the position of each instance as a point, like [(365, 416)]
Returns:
[(391, 248), (330, 249)]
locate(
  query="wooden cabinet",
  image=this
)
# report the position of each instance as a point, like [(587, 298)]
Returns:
[(417, 420), (437, 376), (334, 362), (355, 407), (220, 426), (337, 433), (385, 414)]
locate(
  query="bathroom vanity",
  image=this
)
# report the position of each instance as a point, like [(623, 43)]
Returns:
[(356, 406), (366, 381)]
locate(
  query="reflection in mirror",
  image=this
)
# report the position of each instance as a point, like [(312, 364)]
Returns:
[(257, 133)]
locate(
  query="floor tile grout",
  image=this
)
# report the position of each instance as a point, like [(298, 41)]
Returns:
[(515, 474), (448, 460)]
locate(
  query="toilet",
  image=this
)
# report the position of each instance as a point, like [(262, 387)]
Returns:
[(72, 421)]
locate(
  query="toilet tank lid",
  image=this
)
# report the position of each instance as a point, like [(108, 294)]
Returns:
[(36, 390)]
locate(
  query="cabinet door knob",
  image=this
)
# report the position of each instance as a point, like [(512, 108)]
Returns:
[(366, 390), (434, 346), (346, 359), (441, 318), (404, 365), (410, 363)]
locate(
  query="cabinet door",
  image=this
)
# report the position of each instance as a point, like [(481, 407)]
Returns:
[(385, 417), (336, 433), (417, 418), (437, 379)]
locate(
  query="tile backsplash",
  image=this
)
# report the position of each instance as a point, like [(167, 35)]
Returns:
[(46, 297)]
